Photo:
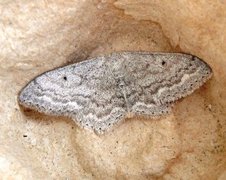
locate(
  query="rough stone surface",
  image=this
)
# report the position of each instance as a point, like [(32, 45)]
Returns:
[(37, 36)]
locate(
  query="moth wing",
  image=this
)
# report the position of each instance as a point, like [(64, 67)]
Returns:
[(159, 79), (91, 95)]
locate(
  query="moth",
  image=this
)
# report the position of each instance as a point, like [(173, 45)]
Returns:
[(101, 92)]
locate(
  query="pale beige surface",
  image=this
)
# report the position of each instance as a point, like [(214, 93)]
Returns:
[(38, 36)]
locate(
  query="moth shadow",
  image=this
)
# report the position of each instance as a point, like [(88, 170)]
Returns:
[(36, 116)]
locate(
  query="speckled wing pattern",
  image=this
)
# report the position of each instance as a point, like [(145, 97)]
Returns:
[(101, 92)]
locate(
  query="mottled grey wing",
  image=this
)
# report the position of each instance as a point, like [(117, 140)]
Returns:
[(153, 81), (100, 92), (86, 92)]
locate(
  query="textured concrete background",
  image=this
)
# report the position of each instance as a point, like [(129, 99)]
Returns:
[(36, 36)]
